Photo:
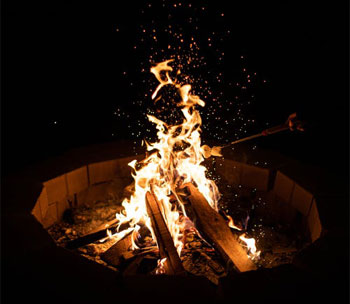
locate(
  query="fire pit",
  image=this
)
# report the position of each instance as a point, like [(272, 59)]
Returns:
[(161, 215), (277, 201), (53, 268), (172, 221)]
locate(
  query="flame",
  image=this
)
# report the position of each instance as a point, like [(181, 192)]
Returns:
[(250, 243), (118, 236), (174, 159), (231, 223), (134, 235), (161, 266), (157, 70)]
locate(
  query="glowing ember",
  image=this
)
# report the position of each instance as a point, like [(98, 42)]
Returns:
[(173, 160)]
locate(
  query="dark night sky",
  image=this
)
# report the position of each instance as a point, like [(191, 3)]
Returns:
[(70, 67)]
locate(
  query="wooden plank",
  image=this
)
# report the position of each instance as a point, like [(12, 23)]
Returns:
[(165, 242), (214, 227), (96, 235)]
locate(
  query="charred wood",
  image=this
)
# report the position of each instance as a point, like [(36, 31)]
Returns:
[(114, 254), (96, 235), (215, 228), (165, 242)]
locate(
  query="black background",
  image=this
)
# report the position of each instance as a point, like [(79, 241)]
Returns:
[(63, 61)]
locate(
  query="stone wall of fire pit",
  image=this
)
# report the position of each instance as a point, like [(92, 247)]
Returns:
[(85, 185), (287, 200)]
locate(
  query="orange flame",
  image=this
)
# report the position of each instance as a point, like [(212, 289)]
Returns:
[(231, 223), (168, 168), (250, 243), (160, 67), (161, 266)]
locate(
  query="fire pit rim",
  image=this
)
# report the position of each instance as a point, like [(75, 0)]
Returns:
[(34, 185)]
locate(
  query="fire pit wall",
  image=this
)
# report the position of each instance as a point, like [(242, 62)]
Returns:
[(85, 185), (286, 201)]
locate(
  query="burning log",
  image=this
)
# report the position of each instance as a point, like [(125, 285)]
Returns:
[(120, 251), (133, 266), (127, 255), (142, 264), (165, 242), (96, 235), (114, 254), (216, 229)]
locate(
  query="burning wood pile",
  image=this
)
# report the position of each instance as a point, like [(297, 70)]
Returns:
[(170, 221), (174, 163)]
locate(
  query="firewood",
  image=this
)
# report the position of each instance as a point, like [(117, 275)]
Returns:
[(215, 228), (127, 255), (104, 226), (165, 242), (214, 265), (114, 254), (133, 266), (141, 265), (96, 236)]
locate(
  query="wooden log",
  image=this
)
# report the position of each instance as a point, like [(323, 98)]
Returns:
[(173, 265), (127, 255), (140, 265), (107, 225), (120, 252), (95, 236), (215, 228), (133, 266), (212, 264), (114, 254)]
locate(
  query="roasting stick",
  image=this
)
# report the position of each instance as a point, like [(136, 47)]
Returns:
[(290, 124), (263, 133)]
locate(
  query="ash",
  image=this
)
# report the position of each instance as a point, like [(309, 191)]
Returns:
[(77, 222)]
